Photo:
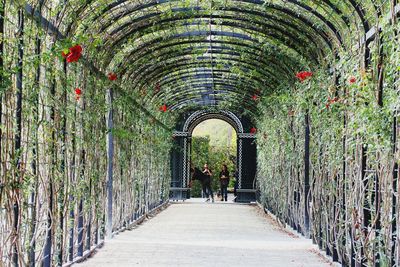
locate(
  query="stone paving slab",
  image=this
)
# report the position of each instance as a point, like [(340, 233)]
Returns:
[(195, 233)]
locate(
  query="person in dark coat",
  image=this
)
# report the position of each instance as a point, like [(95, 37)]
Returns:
[(207, 188), (224, 182)]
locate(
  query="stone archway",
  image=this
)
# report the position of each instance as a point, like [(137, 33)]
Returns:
[(181, 155)]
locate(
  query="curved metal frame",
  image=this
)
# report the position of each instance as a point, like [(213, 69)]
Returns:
[(199, 116), (195, 119), (293, 24)]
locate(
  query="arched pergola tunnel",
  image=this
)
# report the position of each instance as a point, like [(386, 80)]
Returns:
[(85, 154)]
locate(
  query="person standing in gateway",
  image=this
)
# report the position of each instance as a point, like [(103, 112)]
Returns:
[(207, 187), (224, 181)]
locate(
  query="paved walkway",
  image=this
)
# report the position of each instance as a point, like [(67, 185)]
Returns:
[(207, 234)]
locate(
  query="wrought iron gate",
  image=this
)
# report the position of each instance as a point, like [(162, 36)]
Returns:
[(246, 163)]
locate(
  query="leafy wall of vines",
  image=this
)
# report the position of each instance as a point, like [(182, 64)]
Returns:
[(54, 154), (352, 195)]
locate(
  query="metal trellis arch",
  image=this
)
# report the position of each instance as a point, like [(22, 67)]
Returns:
[(181, 155)]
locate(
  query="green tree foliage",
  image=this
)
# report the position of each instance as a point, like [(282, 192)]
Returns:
[(215, 156)]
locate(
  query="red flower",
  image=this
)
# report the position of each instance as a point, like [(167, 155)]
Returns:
[(74, 54), (352, 80), (255, 97), (253, 130), (73, 58), (303, 75), (112, 76), (164, 108), (76, 49), (78, 93)]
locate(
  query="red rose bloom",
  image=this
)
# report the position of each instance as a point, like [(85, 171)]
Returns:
[(112, 76), (164, 108), (255, 97), (303, 75), (78, 93), (74, 54), (253, 130), (352, 80), (76, 49), (73, 58)]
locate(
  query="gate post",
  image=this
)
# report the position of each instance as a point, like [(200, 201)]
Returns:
[(180, 167), (239, 162), (186, 163), (246, 165)]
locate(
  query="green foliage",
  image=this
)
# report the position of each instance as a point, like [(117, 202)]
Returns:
[(220, 132), (339, 129), (203, 153)]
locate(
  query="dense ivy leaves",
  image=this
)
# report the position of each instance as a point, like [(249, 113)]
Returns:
[(350, 192), (319, 79)]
